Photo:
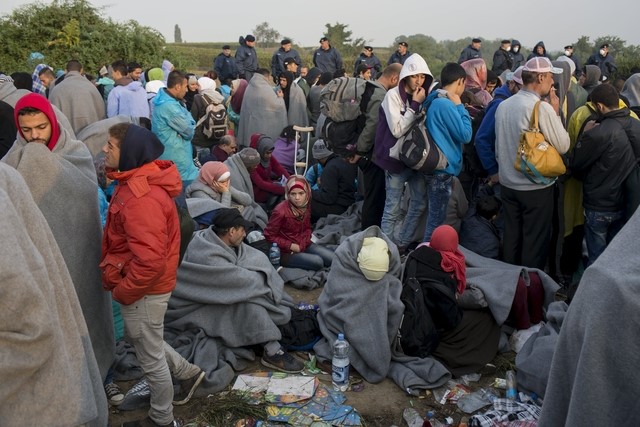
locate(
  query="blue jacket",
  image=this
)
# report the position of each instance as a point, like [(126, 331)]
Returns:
[(246, 60), (128, 100), (450, 127), (370, 61), (277, 61), (327, 60), (226, 67), (175, 127), (396, 58), (485, 140)]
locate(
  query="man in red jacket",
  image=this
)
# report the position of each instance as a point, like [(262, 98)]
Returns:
[(140, 251)]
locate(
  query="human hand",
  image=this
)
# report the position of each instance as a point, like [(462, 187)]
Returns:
[(280, 94), (419, 95), (354, 159), (221, 187), (295, 248), (554, 100), (590, 125), (494, 179), (455, 98)]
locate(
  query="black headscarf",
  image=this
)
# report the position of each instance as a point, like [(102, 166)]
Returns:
[(139, 147), (286, 91)]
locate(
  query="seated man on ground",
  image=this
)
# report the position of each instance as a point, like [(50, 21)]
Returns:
[(228, 298), (290, 227)]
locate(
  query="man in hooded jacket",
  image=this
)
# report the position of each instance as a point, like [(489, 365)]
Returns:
[(140, 252)]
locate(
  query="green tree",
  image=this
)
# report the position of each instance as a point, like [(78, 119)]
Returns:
[(177, 34), (78, 31), (265, 34)]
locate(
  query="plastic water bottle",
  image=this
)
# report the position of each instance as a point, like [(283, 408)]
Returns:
[(340, 364), (512, 389), (274, 255)]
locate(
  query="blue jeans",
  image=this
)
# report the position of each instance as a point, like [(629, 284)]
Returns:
[(394, 184), (599, 229), (314, 258), (438, 192)]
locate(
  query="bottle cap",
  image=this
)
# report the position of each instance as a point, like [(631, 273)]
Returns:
[(340, 336)]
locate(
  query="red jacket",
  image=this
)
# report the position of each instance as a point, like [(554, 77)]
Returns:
[(262, 179), (284, 229), (141, 243)]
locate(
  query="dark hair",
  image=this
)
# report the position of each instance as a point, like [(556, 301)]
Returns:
[(22, 80), (175, 78), (27, 111), (488, 206), (264, 71), (118, 131), (529, 77), (121, 67), (607, 95), (339, 73), (74, 65), (132, 66), (451, 73), (48, 71), (288, 133), (325, 78)]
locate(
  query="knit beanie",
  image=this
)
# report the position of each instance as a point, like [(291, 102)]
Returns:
[(373, 258), (250, 157)]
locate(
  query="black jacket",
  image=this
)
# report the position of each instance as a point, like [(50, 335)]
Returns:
[(501, 61), (7, 128), (604, 157), (338, 183)]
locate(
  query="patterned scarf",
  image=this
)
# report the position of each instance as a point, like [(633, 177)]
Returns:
[(298, 181)]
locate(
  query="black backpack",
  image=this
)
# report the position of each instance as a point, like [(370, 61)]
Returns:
[(302, 331), (417, 149), (344, 103), (430, 309), (214, 123)]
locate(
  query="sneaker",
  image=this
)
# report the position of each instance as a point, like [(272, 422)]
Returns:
[(114, 394), (282, 361), (148, 422), (138, 396), (187, 388)]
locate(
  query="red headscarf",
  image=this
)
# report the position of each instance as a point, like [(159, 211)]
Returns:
[(240, 86), (298, 181), (39, 102), (445, 240)]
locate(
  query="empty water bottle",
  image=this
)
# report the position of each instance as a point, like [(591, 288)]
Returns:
[(274, 255), (340, 364)]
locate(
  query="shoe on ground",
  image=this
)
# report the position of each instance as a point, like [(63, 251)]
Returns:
[(283, 362), (148, 422), (115, 396), (138, 396), (187, 388)]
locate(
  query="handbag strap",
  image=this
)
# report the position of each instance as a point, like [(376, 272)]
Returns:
[(537, 177), (533, 123)]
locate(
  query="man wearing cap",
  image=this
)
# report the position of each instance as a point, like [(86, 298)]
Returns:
[(604, 61), (326, 58), (528, 207), (472, 51), (502, 59), (228, 298), (279, 56), (246, 57), (140, 252), (225, 65), (485, 140), (400, 55), (60, 174), (368, 58), (568, 52), (336, 189)]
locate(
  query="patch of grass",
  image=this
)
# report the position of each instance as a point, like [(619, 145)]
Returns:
[(227, 408)]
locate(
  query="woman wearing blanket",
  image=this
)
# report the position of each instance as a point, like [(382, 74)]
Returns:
[(468, 338)]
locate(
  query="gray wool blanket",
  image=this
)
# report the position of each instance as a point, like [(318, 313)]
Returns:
[(304, 279), (63, 184), (262, 111), (533, 361), (96, 134), (241, 180), (224, 302), (48, 372), (369, 314), (498, 280), (334, 229)]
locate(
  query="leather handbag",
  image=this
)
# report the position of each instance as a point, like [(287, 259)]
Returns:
[(536, 158)]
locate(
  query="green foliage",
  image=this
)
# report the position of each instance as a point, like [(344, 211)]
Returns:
[(340, 38), (265, 34), (177, 34), (74, 29)]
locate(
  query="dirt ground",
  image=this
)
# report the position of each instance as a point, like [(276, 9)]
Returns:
[(379, 405)]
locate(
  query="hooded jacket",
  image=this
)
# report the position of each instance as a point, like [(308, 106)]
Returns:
[(246, 60), (534, 51), (141, 243), (592, 76), (485, 140), (604, 156), (517, 58), (397, 113), (128, 98), (175, 127), (631, 90)]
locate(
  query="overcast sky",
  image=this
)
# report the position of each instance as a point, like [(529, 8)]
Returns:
[(556, 22)]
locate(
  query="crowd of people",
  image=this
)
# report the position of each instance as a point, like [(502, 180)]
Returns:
[(141, 207)]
